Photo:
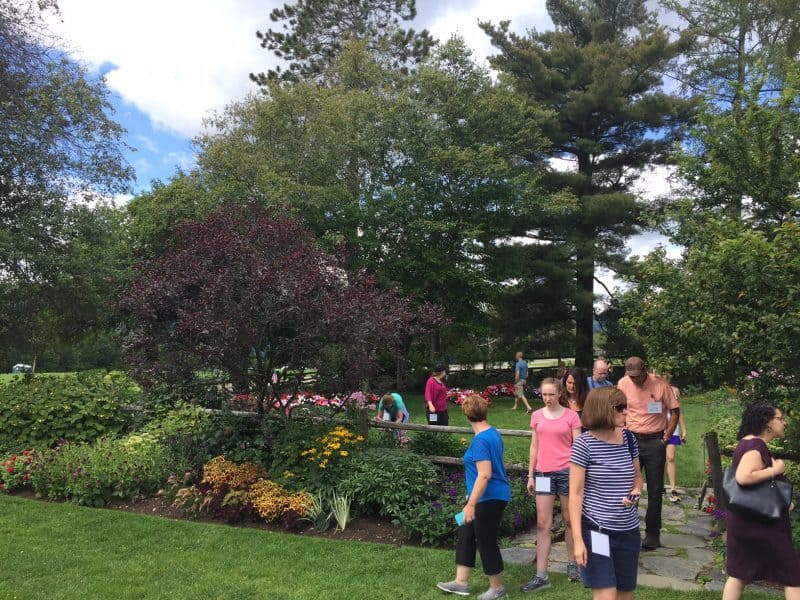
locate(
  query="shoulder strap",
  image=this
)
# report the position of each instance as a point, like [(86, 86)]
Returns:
[(629, 440)]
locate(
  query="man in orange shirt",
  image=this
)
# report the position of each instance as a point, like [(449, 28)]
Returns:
[(650, 400)]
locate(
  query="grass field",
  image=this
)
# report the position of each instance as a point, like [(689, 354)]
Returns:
[(60, 551), (690, 458)]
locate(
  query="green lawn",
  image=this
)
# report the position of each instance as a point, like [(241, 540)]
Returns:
[(60, 551), (690, 458)]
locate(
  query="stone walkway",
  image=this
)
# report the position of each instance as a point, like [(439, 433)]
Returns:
[(685, 562)]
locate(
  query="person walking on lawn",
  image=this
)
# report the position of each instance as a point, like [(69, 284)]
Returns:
[(520, 379), (650, 400)]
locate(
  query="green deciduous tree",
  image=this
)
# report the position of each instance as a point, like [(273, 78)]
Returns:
[(58, 148), (315, 32), (418, 176), (600, 72)]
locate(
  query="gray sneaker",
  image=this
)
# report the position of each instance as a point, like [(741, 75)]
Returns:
[(536, 584), (453, 587), (573, 572), (492, 594)]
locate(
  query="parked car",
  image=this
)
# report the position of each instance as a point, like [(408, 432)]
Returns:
[(21, 368)]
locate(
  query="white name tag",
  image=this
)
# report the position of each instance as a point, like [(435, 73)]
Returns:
[(543, 484), (655, 408), (387, 416), (600, 543), (433, 418)]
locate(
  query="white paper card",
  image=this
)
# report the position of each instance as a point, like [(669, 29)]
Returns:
[(543, 484), (600, 543), (387, 416), (433, 418), (655, 408)]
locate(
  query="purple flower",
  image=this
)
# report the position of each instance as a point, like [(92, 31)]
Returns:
[(452, 492), (517, 520), (719, 514), (456, 476), (436, 505)]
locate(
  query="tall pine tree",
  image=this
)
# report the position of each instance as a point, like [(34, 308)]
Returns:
[(314, 33), (600, 72)]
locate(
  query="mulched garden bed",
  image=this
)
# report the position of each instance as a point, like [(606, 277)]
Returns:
[(360, 529)]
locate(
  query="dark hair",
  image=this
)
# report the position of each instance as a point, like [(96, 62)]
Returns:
[(581, 387), (439, 368), (755, 418), (598, 411)]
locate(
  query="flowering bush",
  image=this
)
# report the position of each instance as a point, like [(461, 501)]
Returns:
[(234, 491), (457, 395), (93, 474), (499, 390), (219, 473), (320, 462), (15, 471), (432, 521), (271, 502)]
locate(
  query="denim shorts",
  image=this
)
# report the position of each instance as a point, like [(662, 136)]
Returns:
[(559, 482), (620, 569)]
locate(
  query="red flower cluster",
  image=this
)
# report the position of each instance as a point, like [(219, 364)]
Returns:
[(287, 402), (498, 390)]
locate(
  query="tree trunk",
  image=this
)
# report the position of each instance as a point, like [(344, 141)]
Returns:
[(584, 305)]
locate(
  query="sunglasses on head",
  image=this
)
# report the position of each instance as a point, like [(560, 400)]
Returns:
[(620, 407)]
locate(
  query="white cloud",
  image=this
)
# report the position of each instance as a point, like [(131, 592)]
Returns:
[(184, 160), (179, 59), (462, 19), (147, 144), (173, 60)]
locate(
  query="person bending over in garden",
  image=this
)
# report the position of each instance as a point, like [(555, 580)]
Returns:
[(436, 397), (553, 428), (759, 550), (392, 408), (605, 482), (488, 493)]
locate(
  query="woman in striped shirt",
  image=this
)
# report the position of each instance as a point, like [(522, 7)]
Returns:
[(605, 482)]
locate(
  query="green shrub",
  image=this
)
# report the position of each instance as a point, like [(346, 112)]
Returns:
[(430, 443), (94, 474), (387, 481), (38, 411)]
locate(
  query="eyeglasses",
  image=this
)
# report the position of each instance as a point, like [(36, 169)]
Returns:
[(620, 407)]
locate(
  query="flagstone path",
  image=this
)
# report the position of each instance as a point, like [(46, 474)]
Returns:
[(685, 562)]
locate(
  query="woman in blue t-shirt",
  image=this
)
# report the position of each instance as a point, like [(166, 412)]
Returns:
[(488, 492), (605, 482)]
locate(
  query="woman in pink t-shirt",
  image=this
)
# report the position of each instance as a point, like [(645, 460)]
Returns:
[(553, 428)]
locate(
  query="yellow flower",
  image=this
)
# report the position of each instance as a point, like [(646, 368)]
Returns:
[(327, 453), (360, 438), (343, 453)]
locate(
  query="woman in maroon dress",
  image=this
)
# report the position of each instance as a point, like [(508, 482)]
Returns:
[(758, 550)]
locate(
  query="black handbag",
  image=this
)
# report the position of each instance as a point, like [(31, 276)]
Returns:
[(765, 501)]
